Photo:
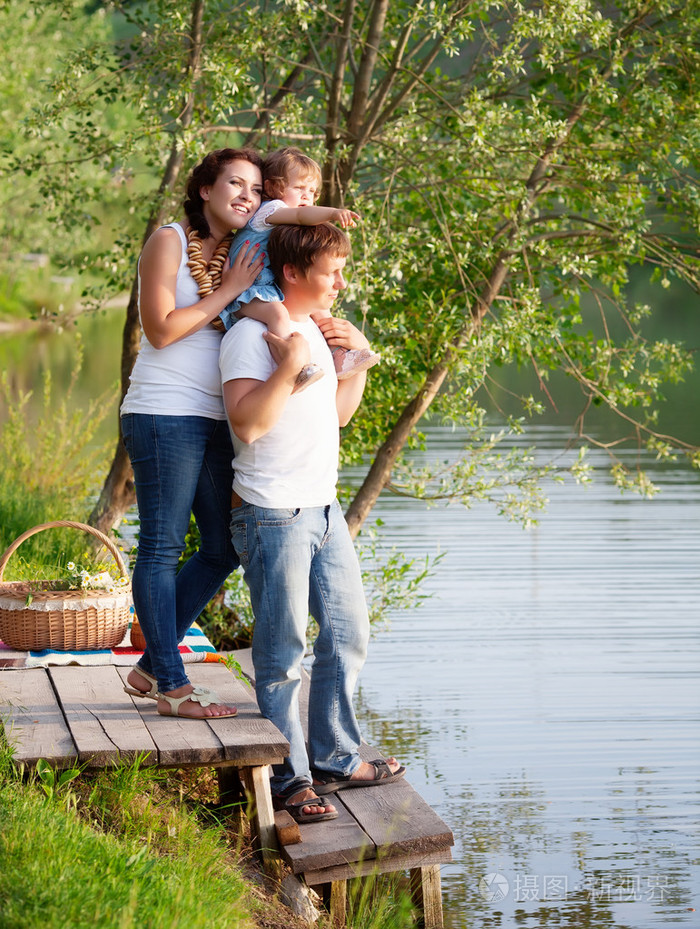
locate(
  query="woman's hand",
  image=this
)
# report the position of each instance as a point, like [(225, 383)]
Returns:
[(242, 271), (162, 322)]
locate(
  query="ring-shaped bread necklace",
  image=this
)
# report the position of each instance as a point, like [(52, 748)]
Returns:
[(207, 275)]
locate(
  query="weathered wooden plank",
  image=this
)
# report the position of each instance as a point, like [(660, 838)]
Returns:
[(244, 657), (334, 842), (380, 865), (103, 720), (396, 816), (32, 718), (178, 741), (248, 738)]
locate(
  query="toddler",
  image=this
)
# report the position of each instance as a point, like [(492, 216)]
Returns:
[(291, 180)]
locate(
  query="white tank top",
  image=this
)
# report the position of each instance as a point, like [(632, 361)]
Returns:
[(181, 379)]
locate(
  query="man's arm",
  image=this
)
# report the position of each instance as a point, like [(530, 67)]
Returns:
[(342, 333), (349, 395), (254, 407)]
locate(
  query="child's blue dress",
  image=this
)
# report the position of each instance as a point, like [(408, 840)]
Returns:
[(264, 287)]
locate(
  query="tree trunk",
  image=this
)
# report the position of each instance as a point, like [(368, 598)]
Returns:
[(383, 464), (117, 494)]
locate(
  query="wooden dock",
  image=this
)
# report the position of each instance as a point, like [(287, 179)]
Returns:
[(379, 830), (80, 716)]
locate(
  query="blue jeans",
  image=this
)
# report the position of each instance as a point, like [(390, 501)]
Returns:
[(181, 464), (298, 561)]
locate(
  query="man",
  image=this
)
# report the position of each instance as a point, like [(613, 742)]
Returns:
[(288, 528)]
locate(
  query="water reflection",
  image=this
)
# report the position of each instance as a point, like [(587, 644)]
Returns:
[(546, 702), (26, 356)]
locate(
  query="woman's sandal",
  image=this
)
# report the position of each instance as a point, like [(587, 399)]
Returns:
[(382, 775), (152, 693), (201, 695), (283, 802)]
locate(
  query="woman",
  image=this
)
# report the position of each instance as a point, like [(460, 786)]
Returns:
[(174, 424)]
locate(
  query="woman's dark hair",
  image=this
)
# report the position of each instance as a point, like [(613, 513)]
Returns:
[(204, 175)]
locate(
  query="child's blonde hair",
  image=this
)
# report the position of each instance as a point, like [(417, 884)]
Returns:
[(278, 166)]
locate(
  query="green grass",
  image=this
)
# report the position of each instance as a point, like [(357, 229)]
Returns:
[(380, 902), (110, 852), (134, 847), (49, 462)]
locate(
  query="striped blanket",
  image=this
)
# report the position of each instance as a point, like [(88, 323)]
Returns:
[(194, 647)]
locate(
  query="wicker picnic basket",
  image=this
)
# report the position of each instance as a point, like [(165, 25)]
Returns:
[(67, 620)]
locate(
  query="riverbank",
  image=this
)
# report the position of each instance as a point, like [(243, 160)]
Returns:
[(129, 848), (50, 322)]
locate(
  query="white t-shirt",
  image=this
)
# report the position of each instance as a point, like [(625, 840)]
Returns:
[(295, 464), (181, 379)]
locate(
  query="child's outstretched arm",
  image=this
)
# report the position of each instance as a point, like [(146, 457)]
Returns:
[(312, 216)]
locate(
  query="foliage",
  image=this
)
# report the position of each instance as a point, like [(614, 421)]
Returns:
[(228, 619), (513, 164), (50, 465), (391, 581), (61, 189)]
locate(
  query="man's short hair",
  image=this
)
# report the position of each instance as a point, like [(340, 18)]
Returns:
[(299, 245)]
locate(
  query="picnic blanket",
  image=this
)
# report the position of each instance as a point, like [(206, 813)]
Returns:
[(194, 647)]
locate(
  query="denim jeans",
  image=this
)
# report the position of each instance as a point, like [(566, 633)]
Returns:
[(298, 561), (181, 464)]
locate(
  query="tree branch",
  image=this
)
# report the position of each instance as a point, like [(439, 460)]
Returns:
[(334, 103)]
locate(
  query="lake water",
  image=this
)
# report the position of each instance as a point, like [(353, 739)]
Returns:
[(546, 698), (546, 702)]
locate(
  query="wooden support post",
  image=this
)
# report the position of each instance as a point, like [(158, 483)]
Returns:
[(335, 900), (287, 829), (258, 782), (426, 893)]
